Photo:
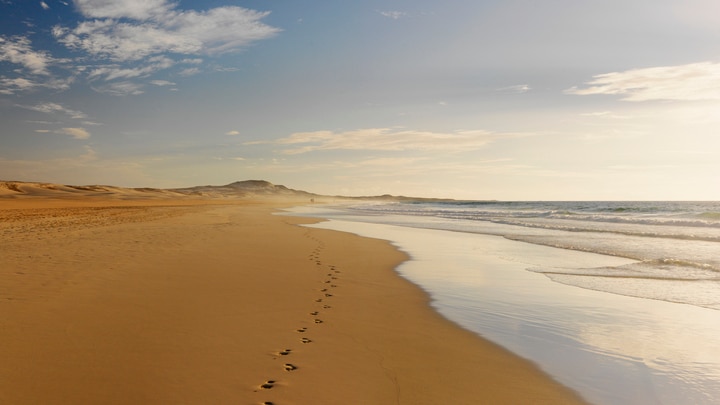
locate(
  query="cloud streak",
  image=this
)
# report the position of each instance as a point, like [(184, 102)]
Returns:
[(394, 14), (114, 72), (124, 88), (52, 108), (517, 89), (77, 133), (18, 50), (116, 9), (33, 72), (130, 30), (692, 82), (389, 139)]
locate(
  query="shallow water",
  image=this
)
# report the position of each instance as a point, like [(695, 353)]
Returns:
[(675, 244), (612, 349)]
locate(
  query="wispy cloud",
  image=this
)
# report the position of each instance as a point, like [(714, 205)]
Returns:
[(77, 133), (692, 82), (53, 108), (18, 50), (232, 133), (393, 162), (154, 64), (389, 139), (116, 9), (17, 85), (130, 30), (124, 88), (518, 89), (605, 114), (162, 83), (11, 86), (189, 72), (34, 67), (44, 5), (394, 14)]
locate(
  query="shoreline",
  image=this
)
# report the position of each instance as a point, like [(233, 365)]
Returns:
[(595, 342), (208, 303)]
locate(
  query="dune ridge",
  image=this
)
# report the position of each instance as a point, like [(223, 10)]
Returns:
[(240, 189)]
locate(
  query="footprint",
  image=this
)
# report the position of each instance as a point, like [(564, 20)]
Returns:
[(290, 367), (328, 295), (318, 321), (305, 340), (285, 352), (302, 330), (314, 313), (327, 306), (318, 300), (323, 290), (268, 403), (268, 384)]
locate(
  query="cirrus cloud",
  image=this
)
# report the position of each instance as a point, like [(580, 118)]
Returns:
[(130, 30), (77, 133), (135, 9), (115, 72), (34, 72), (11, 86), (390, 139), (394, 14), (123, 88), (162, 83), (692, 82), (18, 50), (52, 108), (516, 89)]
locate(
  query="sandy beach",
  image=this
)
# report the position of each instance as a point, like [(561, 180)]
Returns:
[(197, 302)]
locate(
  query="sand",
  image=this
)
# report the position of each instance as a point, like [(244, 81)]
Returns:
[(177, 302)]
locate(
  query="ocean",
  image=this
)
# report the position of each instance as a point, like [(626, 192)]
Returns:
[(617, 300)]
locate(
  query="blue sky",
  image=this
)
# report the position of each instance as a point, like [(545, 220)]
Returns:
[(513, 100)]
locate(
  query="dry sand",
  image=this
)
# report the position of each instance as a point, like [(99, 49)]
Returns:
[(167, 302)]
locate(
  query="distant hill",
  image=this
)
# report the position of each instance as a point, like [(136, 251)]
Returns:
[(247, 189)]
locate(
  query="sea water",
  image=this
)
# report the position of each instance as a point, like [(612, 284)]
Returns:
[(618, 300)]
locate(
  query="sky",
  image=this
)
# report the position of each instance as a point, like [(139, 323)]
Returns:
[(466, 99)]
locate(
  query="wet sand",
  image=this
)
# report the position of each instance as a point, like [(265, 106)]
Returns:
[(197, 303)]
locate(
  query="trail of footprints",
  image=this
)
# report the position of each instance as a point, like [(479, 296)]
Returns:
[(325, 294)]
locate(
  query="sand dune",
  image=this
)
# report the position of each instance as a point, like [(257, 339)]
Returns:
[(16, 189)]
